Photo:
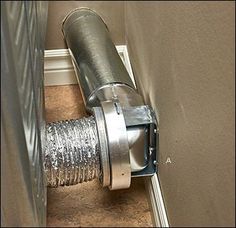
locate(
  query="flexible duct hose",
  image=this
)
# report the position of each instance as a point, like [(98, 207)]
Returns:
[(72, 152)]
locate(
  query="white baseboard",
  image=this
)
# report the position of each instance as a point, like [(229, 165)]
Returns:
[(58, 67), (58, 70), (156, 201)]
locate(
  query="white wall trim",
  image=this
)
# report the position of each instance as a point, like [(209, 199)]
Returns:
[(157, 203), (58, 70)]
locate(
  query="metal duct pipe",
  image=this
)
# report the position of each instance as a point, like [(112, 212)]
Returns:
[(127, 129), (100, 70)]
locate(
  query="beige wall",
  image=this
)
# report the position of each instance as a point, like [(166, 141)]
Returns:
[(182, 54), (111, 12)]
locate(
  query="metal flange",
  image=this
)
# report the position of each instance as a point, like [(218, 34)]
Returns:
[(105, 176), (117, 144)]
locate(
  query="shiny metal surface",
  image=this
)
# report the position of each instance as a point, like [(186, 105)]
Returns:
[(126, 95), (141, 122), (93, 52), (140, 115), (23, 188), (72, 152), (136, 140), (118, 145), (105, 177)]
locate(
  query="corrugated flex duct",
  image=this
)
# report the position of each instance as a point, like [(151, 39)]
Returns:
[(72, 152)]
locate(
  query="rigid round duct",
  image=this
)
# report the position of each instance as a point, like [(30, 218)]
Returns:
[(100, 70), (126, 129)]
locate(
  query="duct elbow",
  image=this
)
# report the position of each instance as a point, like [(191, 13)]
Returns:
[(124, 144)]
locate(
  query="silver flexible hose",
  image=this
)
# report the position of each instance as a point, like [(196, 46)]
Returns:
[(72, 152)]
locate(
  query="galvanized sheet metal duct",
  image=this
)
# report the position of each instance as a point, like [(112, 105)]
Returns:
[(101, 72)]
